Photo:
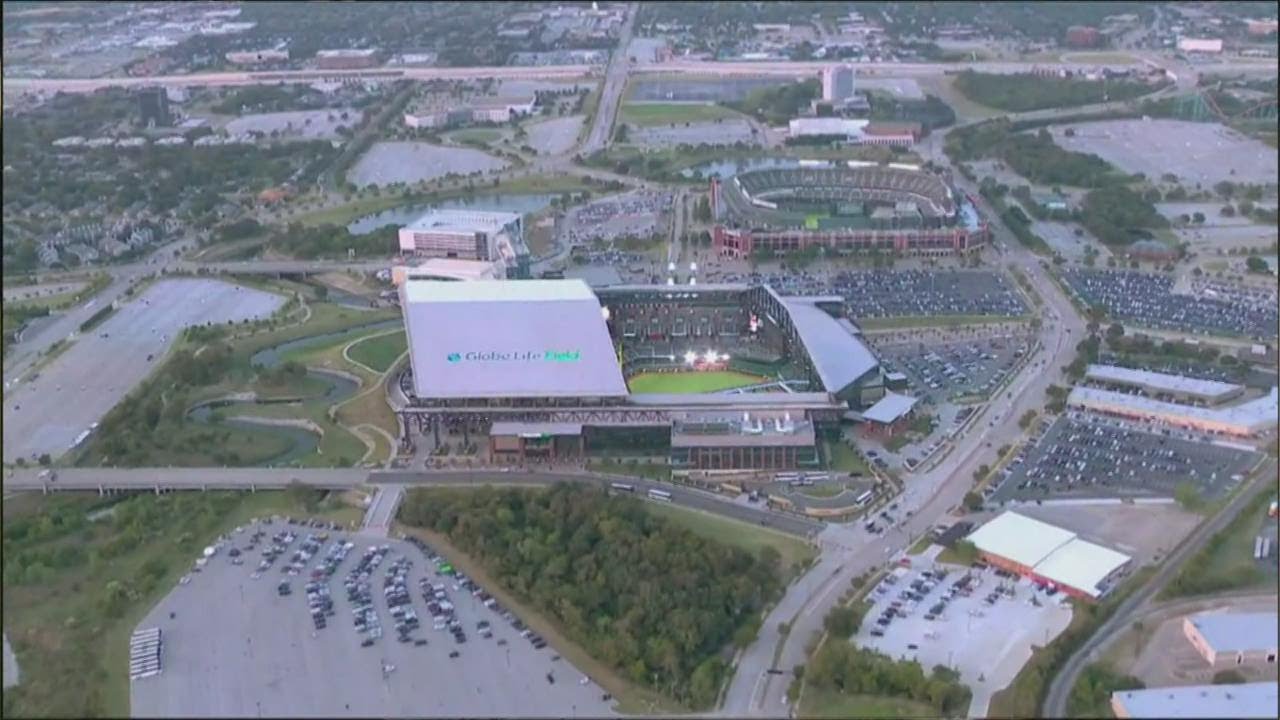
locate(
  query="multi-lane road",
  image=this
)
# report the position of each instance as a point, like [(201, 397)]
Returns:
[(615, 82)]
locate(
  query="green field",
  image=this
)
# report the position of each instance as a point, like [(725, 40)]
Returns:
[(672, 113), (379, 352), (688, 383), (739, 534), (482, 136), (827, 704)]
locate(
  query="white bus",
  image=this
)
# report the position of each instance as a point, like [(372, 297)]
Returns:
[(817, 476), (864, 498), (662, 495), (786, 477), (623, 487)]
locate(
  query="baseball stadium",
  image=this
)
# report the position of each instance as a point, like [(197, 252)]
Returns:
[(843, 207), (721, 377)]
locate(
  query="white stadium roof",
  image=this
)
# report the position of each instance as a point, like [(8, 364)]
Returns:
[(1249, 700), (1161, 382), (1019, 538), (1051, 552), (495, 338)]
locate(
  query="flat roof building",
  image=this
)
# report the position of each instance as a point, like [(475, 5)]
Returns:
[(469, 235), (1049, 555), (747, 440), (1164, 385), (1250, 700), (889, 414), (1247, 419), (1226, 639)]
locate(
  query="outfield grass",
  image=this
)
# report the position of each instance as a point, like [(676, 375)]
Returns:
[(69, 645), (673, 113), (827, 704), (751, 538), (379, 352), (682, 383)]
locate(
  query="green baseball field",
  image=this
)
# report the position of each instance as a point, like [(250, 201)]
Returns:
[(691, 382)]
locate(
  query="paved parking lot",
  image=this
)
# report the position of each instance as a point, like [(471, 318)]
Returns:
[(638, 214), (947, 371), (1147, 299), (45, 415), (236, 647), (894, 293), (1088, 456), (724, 132), (986, 642)]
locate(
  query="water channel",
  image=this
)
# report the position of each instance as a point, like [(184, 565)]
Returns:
[(301, 442)]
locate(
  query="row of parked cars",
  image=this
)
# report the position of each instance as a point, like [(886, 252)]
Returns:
[(363, 615)]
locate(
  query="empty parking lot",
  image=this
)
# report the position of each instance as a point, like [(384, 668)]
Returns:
[(236, 647), (46, 414)]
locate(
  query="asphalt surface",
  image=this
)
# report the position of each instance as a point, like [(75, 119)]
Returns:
[(1055, 703), (384, 509), (46, 414), (615, 82)]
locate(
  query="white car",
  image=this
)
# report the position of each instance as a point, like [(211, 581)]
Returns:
[(185, 579)]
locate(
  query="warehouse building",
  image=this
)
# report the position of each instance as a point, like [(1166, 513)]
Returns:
[(1250, 700), (1050, 555), (1248, 419), (1229, 639), (1163, 386)]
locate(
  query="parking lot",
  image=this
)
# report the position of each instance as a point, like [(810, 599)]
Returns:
[(899, 293), (1147, 299), (638, 214), (949, 371), (1088, 456), (316, 632), (979, 623), (46, 414)]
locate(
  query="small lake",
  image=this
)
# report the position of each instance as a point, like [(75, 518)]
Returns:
[(410, 162), (725, 168), (405, 214)]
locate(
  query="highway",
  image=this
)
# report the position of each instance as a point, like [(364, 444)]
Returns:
[(576, 72), (1055, 703), (615, 82), (175, 479)]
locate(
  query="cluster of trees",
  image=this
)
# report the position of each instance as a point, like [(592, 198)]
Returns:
[(1039, 159), (15, 316), (1204, 574), (844, 668), (1022, 19), (282, 374), (334, 241), (842, 621), (932, 113), (1023, 92), (1119, 216), (777, 105), (1091, 696), (640, 593), (263, 98)]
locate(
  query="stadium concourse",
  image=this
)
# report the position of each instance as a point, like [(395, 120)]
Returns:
[(843, 207), (541, 368)]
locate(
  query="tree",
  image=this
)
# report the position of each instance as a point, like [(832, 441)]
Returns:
[(843, 621), (1197, 217), (1115, 331), (1229, 677), (44, 460), (1187, 496), (1228, 211), (1256, 264), (620, 135), (972, 501)]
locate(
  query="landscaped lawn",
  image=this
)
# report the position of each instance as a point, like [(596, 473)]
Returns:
[(673, 113), (842, 458), (475, 135), (827, 704), (691, 382), (380, 351), (739, 534)]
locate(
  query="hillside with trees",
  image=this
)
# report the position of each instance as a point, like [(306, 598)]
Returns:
[(643, 595)]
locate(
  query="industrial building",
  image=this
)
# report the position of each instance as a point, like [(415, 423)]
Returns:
[(348, 59), (1050, 555), (1248, 419), (1163, 386), (469, 235), (1250, 700), (1226, 639), (1211, 46)]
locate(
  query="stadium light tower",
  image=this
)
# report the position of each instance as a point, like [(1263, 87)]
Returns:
[(671, 281), (690, 357), (693, 267), (671, 267), (604, 312)]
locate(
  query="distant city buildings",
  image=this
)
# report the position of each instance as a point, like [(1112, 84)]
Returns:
[(348, 59), (487, 110)]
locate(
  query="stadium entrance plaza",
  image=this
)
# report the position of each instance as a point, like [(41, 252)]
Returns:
[(234, 648), (986, 644)]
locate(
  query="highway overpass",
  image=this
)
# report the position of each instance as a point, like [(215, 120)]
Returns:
[(158, 480)]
